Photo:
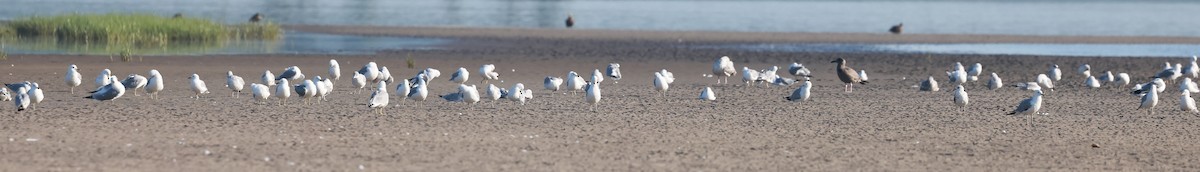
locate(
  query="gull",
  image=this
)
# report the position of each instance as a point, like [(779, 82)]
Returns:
[(260, 92), (493, 92), (234, 83), (419, 91), (73, 78), (749, 75), (5, 95), (597, 77), (488, 71), (20, 87), (154, 84), (707, 94), (1092, 82), (614, 71), (111, 91), (781, 81), (1030, 105), (1045, 81), (723, 68), (306, 90), (517, 93), (1156, 85), (22, 101), (1107, 77), (460, 76), (575, 82), (323, 87), (593, 94), (1149, 101), (268, 78), (358, 81), (283, 91), (668, 75), (335, 70), (960, 96), (1028, 86), (1055, 73), (403, 89), (957, 76), (103, 78), (370, 71), (802, 93), (35, 95), (1123, 78), (974, 72), (660, 83), (959, 66), (427, 74), (844, 73), (862, 74), (385, 75), (1170, 73), (797, 69), (1192, 69), (552, 83), (291, 73), (134, 82), (768, 74), (1085, 70), (469, 94), (995, 83), (929, 85), (198, 85), (379, 98), (1188, 86), (1186, 103)]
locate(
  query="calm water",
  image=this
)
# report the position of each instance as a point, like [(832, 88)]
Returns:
[(291, 43), (1025, 17), (1092, 50)]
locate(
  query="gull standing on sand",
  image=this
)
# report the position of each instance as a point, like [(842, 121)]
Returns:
[(198, 85), (291, 73), (749, 75), (234, 83), (1107, 77), (593, 94), (844, 73), (974, 72), (862, 74), (660, 83), (957, 77), (668, 75), (111, 91), (335, 70), (460, 76), (1123, 78), (552, 83), (1045, 81), (379, 98), (35, 95), (306, 90), (370, 72), (723, 68), (707, 94), (517, 93), (403, 89), (770, 74), (103, 78), (134, 82), (493, 92), (1149, 101), (1085, 70), (1192, 70), (469, 93), (282, 91), (5, 95), (428, 73), (575, 82), (154, 84), (802, 93), (358, 81), (1171, 73), (614, 71), (960, 96), (260, 92), (268, 78), (1030, 105), (1092, 82), (929, 85), (995, 83), (419, 91), (488, 71), (386, 75), (324, 87), (21, 101), (797, 69), (73, 78), (1186, 103), (1188, 86), (1156, 85), (1055, 73), (597, 77)]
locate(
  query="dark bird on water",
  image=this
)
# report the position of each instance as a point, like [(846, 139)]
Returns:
[(570, 21), (897, 29), (178, 15), (257, 17), (847, 75)]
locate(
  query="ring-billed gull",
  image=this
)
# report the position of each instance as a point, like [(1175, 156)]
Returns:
[(488, 71), (385, 75), (929, 84), (1030, 105), (335, 70), (5, 95), (35, 95), (844, 73), (995, 83), (198, 85), (974, 72), (575, 82), (1123, 79), (1045, 81), (358, 81), (21, 101), (268, 78), (1107, 77), (668, 75), (960, 96), (797, 69), (306, 90), (802, 93), (749, 75), (370, 72), (379, 98), (1192, 70), (291, 73), (1149, 101), (320, 89), (956, 77), (782, 81), (1169, 74), (593, 94), (469, 94), (1028, 86), (1055, 73), (517, 93), (403, 89), (282, 91), (1092, 82), (234, 83), (154, 84), (862, 74), (1186, 103), (103, 78), (419, 91), (1156, 85), (597, 77), (1188, 86), (260, 92), (493, 92), (461, 76), (552, 83), (111, 91), (614, 71), (768, 74), (427, 74), (707, 94), (73, 78), (134, 82), (1085, 70), (723, 68), (660, 83)]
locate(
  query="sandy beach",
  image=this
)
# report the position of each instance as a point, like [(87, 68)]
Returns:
[(886, 125)]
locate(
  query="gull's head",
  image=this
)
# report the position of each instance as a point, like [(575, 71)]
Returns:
[(194, 76), (154, 72), (838, 60), (230, 73), (73, 67)]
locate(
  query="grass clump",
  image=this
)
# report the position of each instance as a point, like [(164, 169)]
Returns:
[(137, 30)]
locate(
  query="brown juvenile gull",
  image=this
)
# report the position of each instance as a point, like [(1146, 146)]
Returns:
[(847, 75)]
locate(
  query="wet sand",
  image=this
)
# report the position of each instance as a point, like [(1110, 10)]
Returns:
[(885, 125)]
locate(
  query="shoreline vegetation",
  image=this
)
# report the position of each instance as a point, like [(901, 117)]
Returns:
[(124, 33)]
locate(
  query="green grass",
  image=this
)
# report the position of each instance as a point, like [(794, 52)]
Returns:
[(135, 30)]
